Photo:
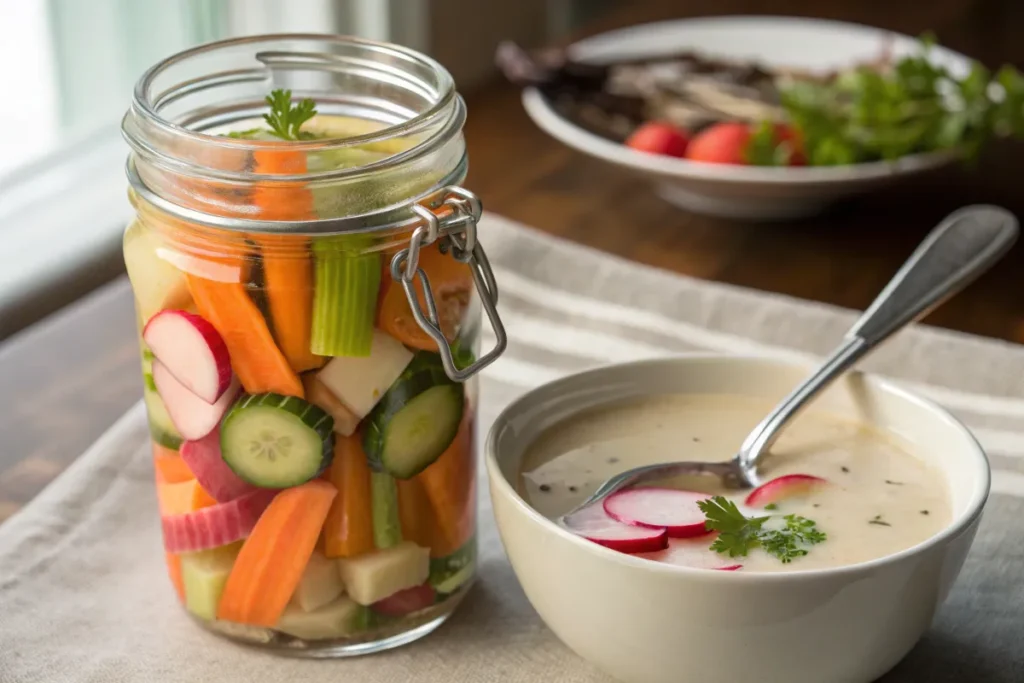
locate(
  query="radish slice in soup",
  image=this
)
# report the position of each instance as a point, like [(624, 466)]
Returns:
[(594, 524), (780, 488), (659, 508)]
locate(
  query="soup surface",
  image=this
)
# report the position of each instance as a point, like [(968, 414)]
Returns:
[(879, 498)]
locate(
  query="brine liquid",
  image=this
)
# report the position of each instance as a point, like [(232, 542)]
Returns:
[(881, 498)]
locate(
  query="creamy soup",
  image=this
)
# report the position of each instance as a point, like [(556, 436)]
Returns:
[(879, 498)]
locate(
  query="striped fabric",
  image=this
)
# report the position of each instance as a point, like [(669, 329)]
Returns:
[(83, 589)]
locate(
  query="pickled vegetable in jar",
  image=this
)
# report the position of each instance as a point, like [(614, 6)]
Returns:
[(309, 291)]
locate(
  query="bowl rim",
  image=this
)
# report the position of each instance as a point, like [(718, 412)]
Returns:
[(973, 510), (539, 109)]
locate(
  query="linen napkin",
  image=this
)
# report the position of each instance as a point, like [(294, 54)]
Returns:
[(83, 588)]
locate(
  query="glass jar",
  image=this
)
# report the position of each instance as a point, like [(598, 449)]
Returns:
[(309, 303)]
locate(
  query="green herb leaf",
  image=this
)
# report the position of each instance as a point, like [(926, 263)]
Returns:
[(912, 106), (246, 134), (285, 119), (738, 534), (792, 540)]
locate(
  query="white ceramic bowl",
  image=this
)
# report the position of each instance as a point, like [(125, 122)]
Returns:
[(648, 622), (755, 193)]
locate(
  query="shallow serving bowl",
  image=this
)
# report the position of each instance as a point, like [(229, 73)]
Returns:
[(747, 192), (648, 622)]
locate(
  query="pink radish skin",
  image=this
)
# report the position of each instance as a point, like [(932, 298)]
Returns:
[(730, 568), (673, 510), (780, 488), (215, 526), (193, 417), (204, 459), (594, 524), (192, 350)]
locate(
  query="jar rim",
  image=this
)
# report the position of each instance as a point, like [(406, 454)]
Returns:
[(142, 100), (436, 117)]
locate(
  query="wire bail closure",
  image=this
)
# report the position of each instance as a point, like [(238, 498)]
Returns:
[(456, 228)]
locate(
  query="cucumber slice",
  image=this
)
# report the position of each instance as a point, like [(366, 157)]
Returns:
[(416, 420), (456, 580), (204, 575), (274, 441), (161, 428), (448, 574)]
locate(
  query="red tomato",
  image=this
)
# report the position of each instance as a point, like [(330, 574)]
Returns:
[(405, 601), (722, 143), (657, 137)]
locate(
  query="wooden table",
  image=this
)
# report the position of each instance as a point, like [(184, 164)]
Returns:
[(68, 378)]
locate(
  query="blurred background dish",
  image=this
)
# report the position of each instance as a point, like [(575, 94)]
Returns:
[(778, 44)]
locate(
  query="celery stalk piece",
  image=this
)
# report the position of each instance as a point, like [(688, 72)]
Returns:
[(387, 528), (345, 298)]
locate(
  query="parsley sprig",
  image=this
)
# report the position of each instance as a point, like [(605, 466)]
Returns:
[(285, 119), (739, 534), (912, 105)]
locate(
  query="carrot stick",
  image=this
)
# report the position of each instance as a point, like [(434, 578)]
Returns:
[(348, 530), (257, 361), (273, 558), (450, 485), (416, 513), (288, 276), (170, 468), (182, 497), (174, 571)]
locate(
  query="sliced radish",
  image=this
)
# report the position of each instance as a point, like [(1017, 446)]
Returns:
[(208, 467), (215, 526), (192, 350), (406, 601), (787, 486), (695, 553), (193, 417), (673, 510), (594, 524)]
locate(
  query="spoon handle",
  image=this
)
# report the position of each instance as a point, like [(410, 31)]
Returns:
[(953, 255)]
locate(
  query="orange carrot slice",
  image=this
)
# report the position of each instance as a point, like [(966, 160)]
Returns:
[(416, 513), (170, 468), (348, 530), (182, 497), (259, 364), (287, 268), (174, 571), (273, 558), (450, 485), (451, 283)]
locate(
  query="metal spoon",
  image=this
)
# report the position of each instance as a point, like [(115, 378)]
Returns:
[(954, 254)]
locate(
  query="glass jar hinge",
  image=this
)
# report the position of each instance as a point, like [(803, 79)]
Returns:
[(456, 228)]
